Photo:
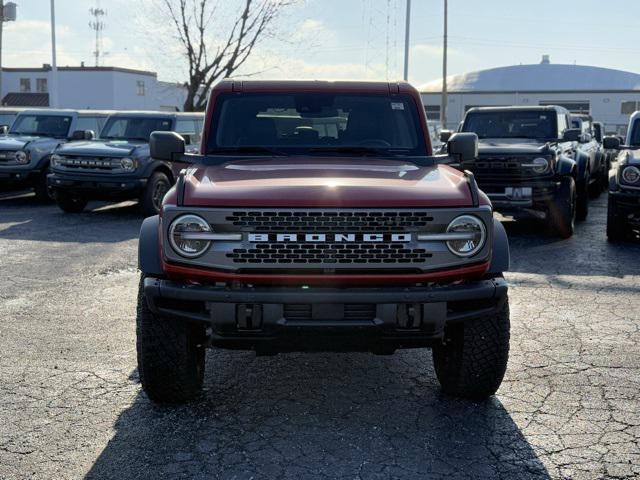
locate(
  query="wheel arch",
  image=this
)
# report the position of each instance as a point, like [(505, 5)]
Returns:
[(149, 257), (500, 256)]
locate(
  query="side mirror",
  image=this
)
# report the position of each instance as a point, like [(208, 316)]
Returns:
[(571, 135), (83, 135), (4, 129), (445, 135), (166, 145), (464, 146), (611, 143)]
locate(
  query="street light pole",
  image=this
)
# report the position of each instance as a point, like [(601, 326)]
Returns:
[(53, 91), (406, 41), (443, 104)]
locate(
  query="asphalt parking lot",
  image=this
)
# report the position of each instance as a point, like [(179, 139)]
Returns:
[(71, 405)]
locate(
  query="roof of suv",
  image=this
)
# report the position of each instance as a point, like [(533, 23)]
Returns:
[(155, 114), (312, 86), (535, 108), (65, 111)]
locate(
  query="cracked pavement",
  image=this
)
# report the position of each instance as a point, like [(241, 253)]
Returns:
[(71, 405)]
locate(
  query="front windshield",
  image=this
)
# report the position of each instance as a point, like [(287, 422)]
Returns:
[(316, 123), (133, 128), (634, 138), (7, 118), (512, 124), (56, 126)]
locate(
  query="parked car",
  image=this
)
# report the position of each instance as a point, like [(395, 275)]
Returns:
[(529, 161), (623, 212), (598, 174), (7, 116), (26, 151), (117, 166), (316, 218)]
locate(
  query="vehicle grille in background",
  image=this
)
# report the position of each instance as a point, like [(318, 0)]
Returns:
[(352, 311), (311, 221), (503, 169), (329, 253), (89, 163), (7, 156)]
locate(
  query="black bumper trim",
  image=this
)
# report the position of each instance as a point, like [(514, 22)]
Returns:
[(95, 183)]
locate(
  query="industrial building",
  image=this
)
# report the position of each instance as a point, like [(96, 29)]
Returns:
[(611, 96), (104, 88)]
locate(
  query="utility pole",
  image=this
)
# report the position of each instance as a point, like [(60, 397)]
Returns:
[(443, 105), (7, 14), (53, 91), (406, 41), (98, 26)]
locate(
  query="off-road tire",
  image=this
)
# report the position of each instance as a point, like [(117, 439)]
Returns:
[(70, 203), (582, 203), (472, 361), (43, 194), (562, 212), (151, 198), (171, 355), (616, 225)]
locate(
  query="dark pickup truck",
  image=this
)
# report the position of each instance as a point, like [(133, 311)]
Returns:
[(118, 166), (530, 160), (317, 218)]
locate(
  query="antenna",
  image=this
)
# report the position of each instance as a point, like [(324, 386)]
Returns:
[(98, 26)]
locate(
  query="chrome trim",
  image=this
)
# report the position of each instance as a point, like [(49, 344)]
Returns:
[(230, 237), (445, 237)]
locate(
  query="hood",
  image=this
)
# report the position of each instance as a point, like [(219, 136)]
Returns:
[(101, 148), (512, 146), (325, 182), (18, 142)]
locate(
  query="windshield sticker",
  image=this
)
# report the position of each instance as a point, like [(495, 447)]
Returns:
[(397, 106)]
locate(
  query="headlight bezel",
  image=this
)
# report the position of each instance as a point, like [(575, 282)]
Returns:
[(482, 231), (181, 220), (630, 168), (25, 157), (132, 164)]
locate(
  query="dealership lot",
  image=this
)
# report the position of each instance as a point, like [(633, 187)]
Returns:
[(71, 405)]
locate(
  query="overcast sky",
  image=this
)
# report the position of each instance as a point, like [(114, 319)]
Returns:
[(353, 39)]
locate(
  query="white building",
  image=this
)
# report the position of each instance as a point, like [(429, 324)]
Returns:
[(103, 88), (610, 96)]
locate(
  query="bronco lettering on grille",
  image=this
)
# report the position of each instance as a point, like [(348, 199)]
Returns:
[(329, 237)]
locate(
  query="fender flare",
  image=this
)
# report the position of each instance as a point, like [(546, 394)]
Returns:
[(149, 261), (500, 256), (567, 166)]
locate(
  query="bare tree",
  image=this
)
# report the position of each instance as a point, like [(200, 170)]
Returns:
[(212, 53)]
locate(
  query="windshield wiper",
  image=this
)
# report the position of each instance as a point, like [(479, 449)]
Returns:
[(246, 150), (359, 150)]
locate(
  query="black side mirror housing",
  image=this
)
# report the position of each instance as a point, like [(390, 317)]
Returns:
[(611, 143), (83, 135), (464, 146), (571, 135), (167, 146), (445, 135), (4, 129)]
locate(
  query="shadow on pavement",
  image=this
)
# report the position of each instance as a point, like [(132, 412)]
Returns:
[(318, 416)]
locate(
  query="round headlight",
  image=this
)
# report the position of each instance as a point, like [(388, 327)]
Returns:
[(631, 175), (21, 157), (179, 235), (127, 164), (472, 238), (540, 165), (55, 160)]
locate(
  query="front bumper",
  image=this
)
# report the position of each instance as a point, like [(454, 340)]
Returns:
[(538, 195), (97, 186), (17, 175), (628, 203), (270, 319)]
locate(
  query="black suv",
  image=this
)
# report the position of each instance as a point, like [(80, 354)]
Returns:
[(590, 145), (118, 166), (529, 159)]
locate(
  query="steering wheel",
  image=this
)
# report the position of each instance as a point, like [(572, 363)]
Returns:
[(373, 142)]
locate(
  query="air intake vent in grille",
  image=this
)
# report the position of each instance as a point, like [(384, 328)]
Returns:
[(309, 221), (329, 253), (352, 311)]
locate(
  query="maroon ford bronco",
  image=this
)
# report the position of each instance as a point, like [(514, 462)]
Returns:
[(316, 218)]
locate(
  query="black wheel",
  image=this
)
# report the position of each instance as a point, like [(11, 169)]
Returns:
[(582, 204), (151, 199), (70, 203), (171, 355), (43, 194), (616, 224), (473, 358), (562, 212)]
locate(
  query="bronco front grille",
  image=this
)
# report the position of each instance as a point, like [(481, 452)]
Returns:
[(502, 169), (352, 311), (313, 221), (89, 163), (329, 253)]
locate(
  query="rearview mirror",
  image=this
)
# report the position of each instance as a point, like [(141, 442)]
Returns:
[(571, 135), (611, 143), (83, 135), (445, 135), (166, 146), (464, 146)]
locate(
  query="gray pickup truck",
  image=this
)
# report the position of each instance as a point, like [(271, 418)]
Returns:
[(25, 152)]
